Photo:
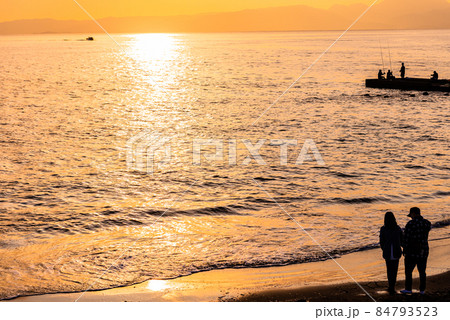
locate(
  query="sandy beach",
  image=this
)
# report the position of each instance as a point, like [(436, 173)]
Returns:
[(316, 281)]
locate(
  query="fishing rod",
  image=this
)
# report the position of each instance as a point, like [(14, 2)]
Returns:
[(381, 50), (390, 61)]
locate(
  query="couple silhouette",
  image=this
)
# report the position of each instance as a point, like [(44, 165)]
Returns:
[(414, 241)]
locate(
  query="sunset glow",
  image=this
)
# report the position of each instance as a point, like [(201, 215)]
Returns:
[(175, 16), (67, 9)]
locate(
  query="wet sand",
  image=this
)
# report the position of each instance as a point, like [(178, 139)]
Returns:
[(438, 290), (316, 281)]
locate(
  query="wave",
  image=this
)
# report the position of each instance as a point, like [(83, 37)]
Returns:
[(209, 266), (359, 200), (83, 222), (213, 211), (441, 224), (209, 211), (275, 200), (344, 175), (263, 179), (414, 167), (206, 211), (442, 193)]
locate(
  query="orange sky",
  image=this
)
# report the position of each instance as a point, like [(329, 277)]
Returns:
[(67, 9)]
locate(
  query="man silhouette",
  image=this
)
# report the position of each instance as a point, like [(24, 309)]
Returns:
[(403, 70), (435, 76), (390, 75), (416, 250)]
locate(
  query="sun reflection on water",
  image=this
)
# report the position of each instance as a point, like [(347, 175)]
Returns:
[(153, 47), (158, 69), (157, 285)]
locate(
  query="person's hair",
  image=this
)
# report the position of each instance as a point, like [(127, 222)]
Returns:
[(414, 210), (390, 221)]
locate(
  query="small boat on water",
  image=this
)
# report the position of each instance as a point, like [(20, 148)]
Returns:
[(415, 84), (89, 39)]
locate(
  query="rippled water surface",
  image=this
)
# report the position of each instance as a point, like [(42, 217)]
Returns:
[(73, 216)]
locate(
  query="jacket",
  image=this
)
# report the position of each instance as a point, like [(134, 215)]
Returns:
[(391, 239), (416, 238)]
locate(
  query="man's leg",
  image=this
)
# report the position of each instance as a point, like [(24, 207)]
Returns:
[(422, 266), (410, 264)]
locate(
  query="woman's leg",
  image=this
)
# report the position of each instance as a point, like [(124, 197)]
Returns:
[(394, 273), (390, 268)]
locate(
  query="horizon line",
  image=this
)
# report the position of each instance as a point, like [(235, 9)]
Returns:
[(218, 32)]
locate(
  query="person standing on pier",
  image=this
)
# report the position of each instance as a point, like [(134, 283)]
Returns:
[(403, 71)]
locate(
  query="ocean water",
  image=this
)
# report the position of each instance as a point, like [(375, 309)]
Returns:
[(74, 216)]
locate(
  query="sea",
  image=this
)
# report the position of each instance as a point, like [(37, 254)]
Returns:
[(154, 156)]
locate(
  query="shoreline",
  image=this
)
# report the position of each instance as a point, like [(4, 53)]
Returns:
[(312, 281), (437, 291)]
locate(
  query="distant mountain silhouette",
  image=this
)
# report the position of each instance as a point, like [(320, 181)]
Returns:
[(395, 14)]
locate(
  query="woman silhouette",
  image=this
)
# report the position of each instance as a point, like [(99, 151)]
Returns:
[(391, 238)]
